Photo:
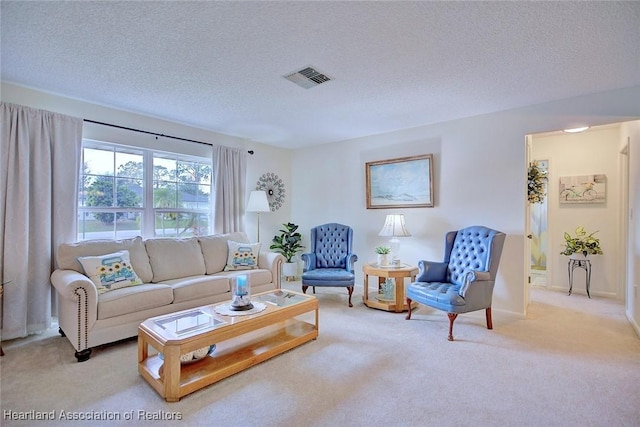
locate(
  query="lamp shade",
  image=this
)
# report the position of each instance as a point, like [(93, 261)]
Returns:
[(258, 202), (394, 226)]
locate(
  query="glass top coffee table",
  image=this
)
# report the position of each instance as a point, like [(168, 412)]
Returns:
[(286, 320)]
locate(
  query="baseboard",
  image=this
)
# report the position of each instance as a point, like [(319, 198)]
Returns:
[(633, 322), (513, 314), (583, 291)]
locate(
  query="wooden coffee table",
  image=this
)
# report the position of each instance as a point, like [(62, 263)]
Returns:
[(241, 341)]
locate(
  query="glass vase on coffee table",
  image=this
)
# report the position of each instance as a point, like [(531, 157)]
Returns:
[(241, 290)]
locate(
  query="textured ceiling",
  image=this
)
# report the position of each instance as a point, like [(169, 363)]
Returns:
[(395, 65)]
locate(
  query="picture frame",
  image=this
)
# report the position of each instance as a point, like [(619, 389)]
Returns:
[(405, 182), (583, 189)]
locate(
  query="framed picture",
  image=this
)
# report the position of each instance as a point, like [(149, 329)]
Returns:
[(583, 189), (405, 182)]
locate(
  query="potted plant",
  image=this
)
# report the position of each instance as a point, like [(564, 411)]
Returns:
[(581, 244), (288, 243), (383, 255)]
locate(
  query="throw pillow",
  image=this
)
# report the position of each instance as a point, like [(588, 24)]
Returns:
[(110, 272), (242, 256)]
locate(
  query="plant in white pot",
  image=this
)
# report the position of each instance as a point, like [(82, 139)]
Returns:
[(288, 243), (383, 255), (582, 244)]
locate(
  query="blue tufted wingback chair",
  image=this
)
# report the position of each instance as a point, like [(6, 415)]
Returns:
[(464, 281), (330, 262)]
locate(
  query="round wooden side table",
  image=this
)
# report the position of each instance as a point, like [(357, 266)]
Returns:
[(398, 274)]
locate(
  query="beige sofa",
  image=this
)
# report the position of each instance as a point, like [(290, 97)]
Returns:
[(177, 274)]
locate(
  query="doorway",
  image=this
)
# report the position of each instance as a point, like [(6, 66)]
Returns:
[(600, 150)]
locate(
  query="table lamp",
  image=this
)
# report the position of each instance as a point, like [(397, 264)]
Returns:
[(258, 202), (394, 227)]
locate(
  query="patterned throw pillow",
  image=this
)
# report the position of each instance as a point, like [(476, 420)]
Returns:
[(242, 256), (110, 272)]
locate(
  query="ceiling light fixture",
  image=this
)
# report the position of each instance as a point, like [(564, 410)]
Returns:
[(576, 130)]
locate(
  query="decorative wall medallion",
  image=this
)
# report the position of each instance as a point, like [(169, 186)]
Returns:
[(274, 187)]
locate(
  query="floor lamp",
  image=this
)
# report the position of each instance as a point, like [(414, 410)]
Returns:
[(258, 203)]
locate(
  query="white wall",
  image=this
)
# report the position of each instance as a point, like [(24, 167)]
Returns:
[(480, 178), (595, 151), (479, 173), (278, 161)]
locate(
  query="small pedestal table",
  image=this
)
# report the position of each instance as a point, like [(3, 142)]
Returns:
[(399, 302), (580, 263)]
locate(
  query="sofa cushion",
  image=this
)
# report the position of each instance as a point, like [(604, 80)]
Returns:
[(174, 258), (242, 256), (255, 277), (68, 254), (133, 299), (110, 272), (198, 287), (215, 249)]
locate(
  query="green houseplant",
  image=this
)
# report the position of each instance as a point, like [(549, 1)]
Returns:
[(382, 250), (288, 243), (581, 243), (383, 255)]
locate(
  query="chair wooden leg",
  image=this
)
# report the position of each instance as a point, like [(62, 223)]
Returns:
[(452, 317), (350, 289), (304, 289), (489, 321), (408, 316)]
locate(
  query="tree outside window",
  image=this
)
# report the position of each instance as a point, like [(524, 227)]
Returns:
[(113, 191)]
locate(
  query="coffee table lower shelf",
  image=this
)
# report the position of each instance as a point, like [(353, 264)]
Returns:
[(230, 357)]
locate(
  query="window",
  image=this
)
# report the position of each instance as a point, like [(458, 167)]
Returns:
[(126, 192)]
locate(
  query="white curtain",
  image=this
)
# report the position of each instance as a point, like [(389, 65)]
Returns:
[(39, 162), (230, 176)]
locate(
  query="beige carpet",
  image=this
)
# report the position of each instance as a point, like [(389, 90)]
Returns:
[(572, 362)]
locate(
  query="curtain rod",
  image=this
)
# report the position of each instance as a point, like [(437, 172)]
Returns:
[(151, 133)]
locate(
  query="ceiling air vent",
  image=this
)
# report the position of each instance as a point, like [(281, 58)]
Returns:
[(307, 77)]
